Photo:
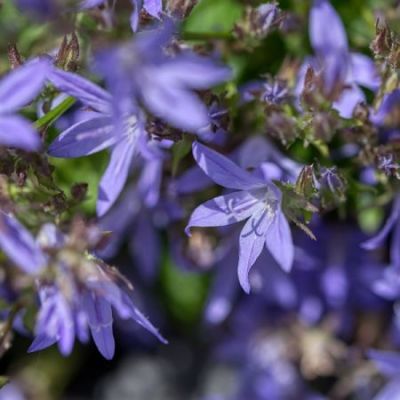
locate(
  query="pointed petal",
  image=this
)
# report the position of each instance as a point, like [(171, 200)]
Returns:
[(134, 19), (100, 322), (22, 85), (143, 321), (327, 33), (40, 342), (364, 71), (380, 237), (222, 170), (279, 241), (82, 89), (116, 174), (225, 210), (251, 243), (19, 245), (84, 138), (16, 131)]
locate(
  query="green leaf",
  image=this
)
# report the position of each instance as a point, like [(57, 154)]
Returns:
[(210, 16)]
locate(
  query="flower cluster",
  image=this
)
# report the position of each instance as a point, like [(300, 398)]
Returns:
[(147, 147)]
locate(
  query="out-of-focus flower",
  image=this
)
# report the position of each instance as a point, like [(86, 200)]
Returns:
[(140, 73), (258, 200), (79, 297), (17, 89), (342, 70)]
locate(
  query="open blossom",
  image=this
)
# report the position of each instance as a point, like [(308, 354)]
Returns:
[(340, 68), (17, 89), (152, 7), (98, 132), (74, 301), (141, 74), (256, 200)]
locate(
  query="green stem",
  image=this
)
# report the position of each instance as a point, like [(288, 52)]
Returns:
[(55, 113)]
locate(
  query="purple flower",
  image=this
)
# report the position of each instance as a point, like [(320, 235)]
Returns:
[(72, 302), (97, 133), (141, 73), (339, 66), (152, 7), (17, 89), (257, 200)]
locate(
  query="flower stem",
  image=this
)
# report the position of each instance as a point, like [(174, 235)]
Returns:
[(55, 113)]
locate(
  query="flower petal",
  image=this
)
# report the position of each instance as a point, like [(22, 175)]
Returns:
[(22, 85), (16, 131), (223, 171), (19, 245), (279, 241), (84, 138), (364, 71), (327, 33), (225, 210), (82, 89), (116, 174), (348, 100), (251, 243), (153, 7)]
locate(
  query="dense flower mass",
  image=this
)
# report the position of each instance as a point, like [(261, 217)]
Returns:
[(231, 167)]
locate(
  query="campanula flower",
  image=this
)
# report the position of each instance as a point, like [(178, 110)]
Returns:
[(17, 89), (98, 132), (74, 301), (256, 200), (342, 70)]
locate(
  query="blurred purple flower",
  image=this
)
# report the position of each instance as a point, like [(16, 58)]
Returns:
[(141, 73), (69, 308), (17, 89), (258, 200), (339, 66)]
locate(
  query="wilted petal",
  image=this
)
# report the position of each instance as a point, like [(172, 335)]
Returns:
[(82, 89), (225, 210), (100, 321), (279, 241), (84, 138), (22, 85), (378, 239), (222, 170), (251, 243), (327, 33), (16, 131), (116, 174), (19, 245)]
